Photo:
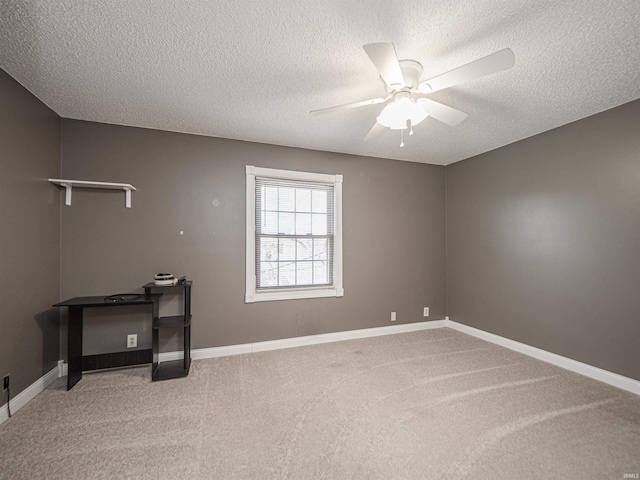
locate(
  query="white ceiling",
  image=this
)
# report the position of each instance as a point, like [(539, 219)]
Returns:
[(253, 70)]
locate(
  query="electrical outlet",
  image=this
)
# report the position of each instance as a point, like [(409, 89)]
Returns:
[(393, 316), (132, 340), (5, 382), (426, 311)]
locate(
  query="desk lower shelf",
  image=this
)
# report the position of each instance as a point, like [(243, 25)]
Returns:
[(116, 359), (173, 321), (171, 369)]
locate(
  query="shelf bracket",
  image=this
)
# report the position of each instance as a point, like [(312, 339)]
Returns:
[(67, 193), (127, 198)]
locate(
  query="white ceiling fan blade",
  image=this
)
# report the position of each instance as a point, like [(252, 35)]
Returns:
[(376, 130), (441, 112), (363, 103), (383, 55), (496, 62)]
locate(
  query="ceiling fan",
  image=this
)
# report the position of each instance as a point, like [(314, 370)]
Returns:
[(410, 104)]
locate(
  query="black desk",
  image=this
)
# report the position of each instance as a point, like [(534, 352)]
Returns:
[(79, 363)]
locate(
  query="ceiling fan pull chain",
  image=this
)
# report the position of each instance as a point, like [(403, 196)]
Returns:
[(401, 138), (410, 127)]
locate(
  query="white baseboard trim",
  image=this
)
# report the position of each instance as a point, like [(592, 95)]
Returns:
[(202, 353), (214, 352), (170, 356), (30, 392), (341, 336), (619, 381)]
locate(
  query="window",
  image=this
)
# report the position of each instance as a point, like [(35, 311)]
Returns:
[(294, 235)]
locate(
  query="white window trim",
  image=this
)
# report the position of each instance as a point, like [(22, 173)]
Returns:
[(336, 290)]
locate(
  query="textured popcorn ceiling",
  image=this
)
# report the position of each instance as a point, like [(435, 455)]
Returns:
[(253, 70)]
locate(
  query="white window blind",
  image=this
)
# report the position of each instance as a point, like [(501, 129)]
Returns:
[(294, 233)]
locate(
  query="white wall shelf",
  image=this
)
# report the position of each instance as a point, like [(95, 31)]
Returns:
[(69, 184)]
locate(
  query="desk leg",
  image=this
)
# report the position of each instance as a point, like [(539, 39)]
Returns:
[(187, 347), (74, 346), (187, 331), (155, 340)]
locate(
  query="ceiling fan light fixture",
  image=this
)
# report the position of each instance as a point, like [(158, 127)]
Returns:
[(389, 120), (396, 115), (392, 118), (418, 114)]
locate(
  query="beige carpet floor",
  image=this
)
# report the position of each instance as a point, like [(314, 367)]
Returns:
[(436, 404)]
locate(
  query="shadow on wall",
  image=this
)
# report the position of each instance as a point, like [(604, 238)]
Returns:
[(49, 324)]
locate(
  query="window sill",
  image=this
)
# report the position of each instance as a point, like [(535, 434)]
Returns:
[(296, 294)]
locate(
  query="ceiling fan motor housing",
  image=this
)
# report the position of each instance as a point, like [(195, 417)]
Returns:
[(411, 71)]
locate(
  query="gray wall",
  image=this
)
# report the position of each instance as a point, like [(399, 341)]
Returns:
[(29, 235), (542, 237), (394, 239), (543, 241)]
